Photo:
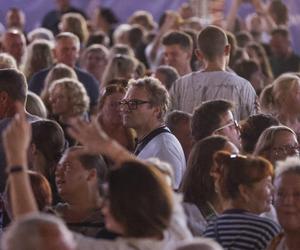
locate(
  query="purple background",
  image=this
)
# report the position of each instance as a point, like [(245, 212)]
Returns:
[(36, 9)]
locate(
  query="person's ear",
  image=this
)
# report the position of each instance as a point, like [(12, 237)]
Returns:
[(92, 174), (227, 49), (157, 111), (3, 97), (199, 54), (244, 193)]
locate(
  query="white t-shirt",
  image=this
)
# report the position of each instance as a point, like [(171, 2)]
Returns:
[(166, 147)]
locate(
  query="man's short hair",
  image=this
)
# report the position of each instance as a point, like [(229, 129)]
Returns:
[(14, 83), (175, 117), (207, 118), (91, 161), (178, 38), (212, 41), (68, 35), (158, 94)]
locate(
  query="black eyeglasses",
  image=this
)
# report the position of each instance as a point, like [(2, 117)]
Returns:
[(132, 104)]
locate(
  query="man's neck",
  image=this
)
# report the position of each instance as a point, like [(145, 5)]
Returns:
[(215, 65), (184, 71), (144, 131)]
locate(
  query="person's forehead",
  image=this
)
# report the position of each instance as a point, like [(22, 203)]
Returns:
[(174, 48), (226, 117), (71, 155), (284, 138), (97, 55), (288, 180), (13, 36), (136, 93), (65, 41)]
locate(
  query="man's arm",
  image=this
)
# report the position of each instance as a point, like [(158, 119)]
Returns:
[(16, 139)]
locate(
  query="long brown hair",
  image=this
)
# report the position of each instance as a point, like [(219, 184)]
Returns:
[(140, 199), (198, 185)]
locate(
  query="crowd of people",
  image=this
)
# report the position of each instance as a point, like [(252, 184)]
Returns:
[(174, 135)]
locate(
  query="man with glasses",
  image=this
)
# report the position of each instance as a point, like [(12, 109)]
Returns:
[(215, 118), (143, 109)]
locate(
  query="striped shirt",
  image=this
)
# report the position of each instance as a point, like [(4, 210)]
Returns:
[(240, 230), (191, 90)]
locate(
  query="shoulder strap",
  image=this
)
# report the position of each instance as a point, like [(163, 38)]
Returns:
[(149, 137)]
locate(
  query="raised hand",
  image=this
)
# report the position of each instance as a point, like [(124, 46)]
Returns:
[(90, 134), (16, 138), (96, 141)]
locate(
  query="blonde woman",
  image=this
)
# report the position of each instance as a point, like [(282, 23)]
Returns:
[(76, 24), (277, 143), (59, 71), (68, 99), (286, 97), (120, 66)]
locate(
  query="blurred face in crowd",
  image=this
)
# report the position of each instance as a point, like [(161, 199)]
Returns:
[(260, 195), (285, 144), (229, 128), (71, 176), (138, 113), (287, 201), (15, 19), (96, 62), (280, 45), (15, 44), (177, 57), (59, 100), (66, 51), (111, 108)]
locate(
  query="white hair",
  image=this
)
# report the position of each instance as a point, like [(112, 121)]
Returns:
[(28, 233), (289, 165), (40, 33), (120, 31)]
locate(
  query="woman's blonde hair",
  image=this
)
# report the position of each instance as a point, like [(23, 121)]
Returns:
[(267, 138), (59, 71), (76, 93), (120, 66), (282, 87), (76, 24)]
